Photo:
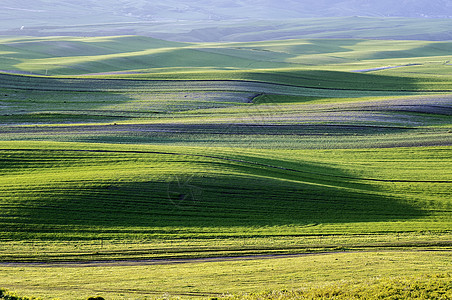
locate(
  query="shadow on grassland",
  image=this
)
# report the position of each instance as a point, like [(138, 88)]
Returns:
[(279, 79), (265, 198)]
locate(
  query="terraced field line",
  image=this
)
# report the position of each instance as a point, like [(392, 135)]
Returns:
[(74, 80), (227, 159)]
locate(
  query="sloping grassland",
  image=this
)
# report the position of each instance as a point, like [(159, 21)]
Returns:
[(223, 150)]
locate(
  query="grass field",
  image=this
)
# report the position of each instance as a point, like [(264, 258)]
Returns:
[(134, 157), (369, 275), (75, 56)]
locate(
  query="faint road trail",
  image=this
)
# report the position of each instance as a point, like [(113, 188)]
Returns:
[(384, 68), (150, 262)]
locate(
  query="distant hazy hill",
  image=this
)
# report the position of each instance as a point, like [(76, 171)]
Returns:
[(214, 20), (64, 12)]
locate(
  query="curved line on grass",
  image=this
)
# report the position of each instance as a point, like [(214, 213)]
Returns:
[(170, 261), (209, 80), (227, 159)]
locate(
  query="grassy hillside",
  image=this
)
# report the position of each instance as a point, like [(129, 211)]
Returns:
[(133, 148), (72, 56), (202, 188), (346, 276)]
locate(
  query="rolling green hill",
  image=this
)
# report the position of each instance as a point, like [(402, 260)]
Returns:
[(216, 110), (134, 148), (75, 56)]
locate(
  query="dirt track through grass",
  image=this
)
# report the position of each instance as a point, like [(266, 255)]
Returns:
[(125, 263), (113, 263)]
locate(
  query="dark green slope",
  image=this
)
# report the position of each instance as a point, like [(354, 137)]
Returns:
[(229, 191)]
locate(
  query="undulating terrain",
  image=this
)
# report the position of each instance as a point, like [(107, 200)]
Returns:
[(231, 20), (133, 167)]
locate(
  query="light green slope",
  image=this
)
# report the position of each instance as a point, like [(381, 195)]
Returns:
[(95, 55)]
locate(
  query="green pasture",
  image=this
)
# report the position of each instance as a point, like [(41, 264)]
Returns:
[(116, 192), (75, 56), (371, 275), (134, 149), (259, 110)]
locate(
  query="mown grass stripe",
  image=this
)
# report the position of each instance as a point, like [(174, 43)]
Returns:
[(226, 159)]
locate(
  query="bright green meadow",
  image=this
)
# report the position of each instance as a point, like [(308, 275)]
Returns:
[(137, 168)]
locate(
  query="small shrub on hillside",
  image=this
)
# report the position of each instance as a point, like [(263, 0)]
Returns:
[(5, 295)]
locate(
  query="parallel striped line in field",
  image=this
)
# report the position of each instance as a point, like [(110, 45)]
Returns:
[(227, 159)]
